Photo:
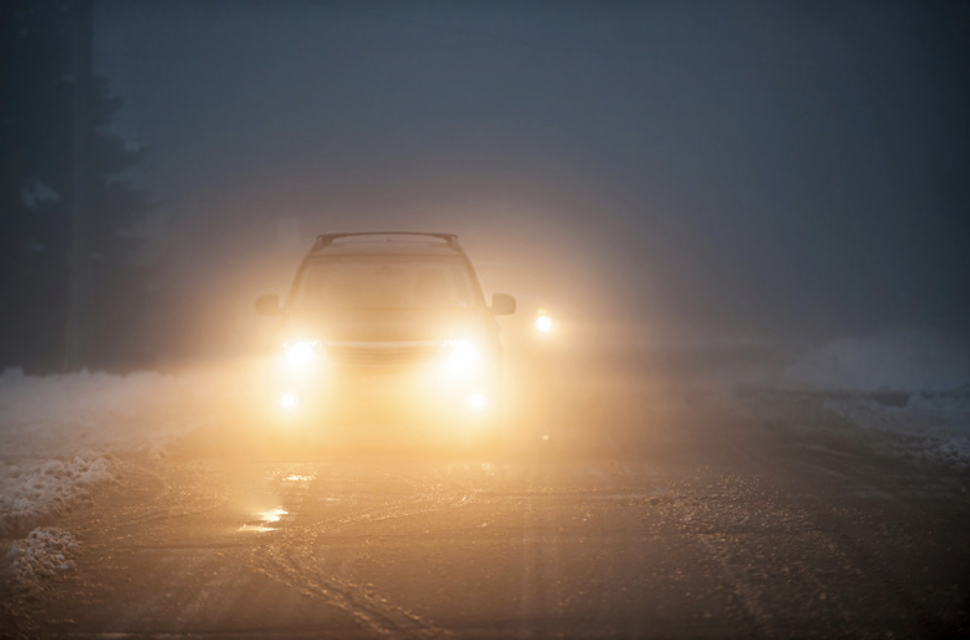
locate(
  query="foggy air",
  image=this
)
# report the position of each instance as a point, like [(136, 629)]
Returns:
[(484, 319)]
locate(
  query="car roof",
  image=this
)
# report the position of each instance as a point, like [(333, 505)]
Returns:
[(387, 243), (372, 248)]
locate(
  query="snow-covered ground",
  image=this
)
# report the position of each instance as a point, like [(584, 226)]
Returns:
[(44, 552), (932, 426), (63, 438), (59, 435), (36, 489), (911, 386)]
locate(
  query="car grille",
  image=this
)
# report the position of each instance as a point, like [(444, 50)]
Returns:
[(377, 353)]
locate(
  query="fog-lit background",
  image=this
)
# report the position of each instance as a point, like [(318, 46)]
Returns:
[(660, 172), (746, 221)]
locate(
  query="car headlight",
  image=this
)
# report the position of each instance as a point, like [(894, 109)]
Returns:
[(289, 401), (477, 401), (301, 352), (462, 358), (543, 324)]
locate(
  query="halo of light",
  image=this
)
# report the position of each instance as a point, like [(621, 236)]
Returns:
[(301, 352), (289, 401), (476, 401), (544, 324), (462, 359)]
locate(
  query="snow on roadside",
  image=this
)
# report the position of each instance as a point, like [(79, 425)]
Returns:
[(60, 434), (908, 383), (912, 385), (934, 427), (45, 552), (37, 489)]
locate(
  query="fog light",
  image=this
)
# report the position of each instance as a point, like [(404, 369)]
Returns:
[(544, 324), (476, 401), (289, 401)]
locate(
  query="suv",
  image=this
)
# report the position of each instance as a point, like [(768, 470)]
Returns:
[(388, 328)]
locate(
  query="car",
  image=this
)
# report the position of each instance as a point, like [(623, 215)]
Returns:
[(387, 334)]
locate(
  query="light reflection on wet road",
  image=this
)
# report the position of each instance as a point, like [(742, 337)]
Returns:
[(713, 529)]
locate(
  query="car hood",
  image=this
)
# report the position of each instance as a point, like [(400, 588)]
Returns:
[(385, 325)]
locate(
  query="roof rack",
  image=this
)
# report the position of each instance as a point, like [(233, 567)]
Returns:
[(325, 240)]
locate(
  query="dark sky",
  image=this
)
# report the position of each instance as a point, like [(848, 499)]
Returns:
[(778, 169)]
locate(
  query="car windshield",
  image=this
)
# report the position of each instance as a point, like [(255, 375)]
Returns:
[(385, 282)]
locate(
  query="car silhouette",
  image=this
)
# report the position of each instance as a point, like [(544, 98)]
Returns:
[(387, 334)]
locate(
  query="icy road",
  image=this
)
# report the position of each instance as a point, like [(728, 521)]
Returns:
[(709, 523)]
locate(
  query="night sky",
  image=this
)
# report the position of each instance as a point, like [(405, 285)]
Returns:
[(786, 170)]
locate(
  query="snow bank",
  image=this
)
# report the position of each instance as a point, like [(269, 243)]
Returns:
[(36, 489), (43, 553), (61, 438), (934, 427), (911, 384), (59, 435), (929, 372)]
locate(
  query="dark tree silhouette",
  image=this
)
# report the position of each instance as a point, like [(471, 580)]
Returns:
[(36, 197)]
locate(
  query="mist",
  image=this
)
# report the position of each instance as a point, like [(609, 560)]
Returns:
[(659, 172), (698, 364)]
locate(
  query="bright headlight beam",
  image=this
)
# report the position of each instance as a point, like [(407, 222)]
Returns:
[(463, 352), (301, 351), (476, 401), (544, 324), (462, 357), (289, 401)]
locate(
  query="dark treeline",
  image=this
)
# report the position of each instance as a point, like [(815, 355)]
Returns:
[(37, 182)]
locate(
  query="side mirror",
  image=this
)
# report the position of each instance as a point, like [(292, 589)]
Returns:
[(268, 305), (502, 304)]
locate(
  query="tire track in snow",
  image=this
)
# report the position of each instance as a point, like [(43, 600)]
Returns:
[(291, 558)]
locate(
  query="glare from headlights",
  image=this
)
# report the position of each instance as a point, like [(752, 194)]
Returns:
[(543, 324), (462, 357), (476, 401), (289, 401), (301, 352)]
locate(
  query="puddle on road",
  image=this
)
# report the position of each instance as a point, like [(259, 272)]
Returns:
[(295, 477), (294, 484), (265, 520)]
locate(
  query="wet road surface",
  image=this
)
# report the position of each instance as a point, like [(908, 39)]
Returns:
[(704, 525)]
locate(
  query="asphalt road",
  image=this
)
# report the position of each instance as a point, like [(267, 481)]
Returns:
[(693, 522)]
